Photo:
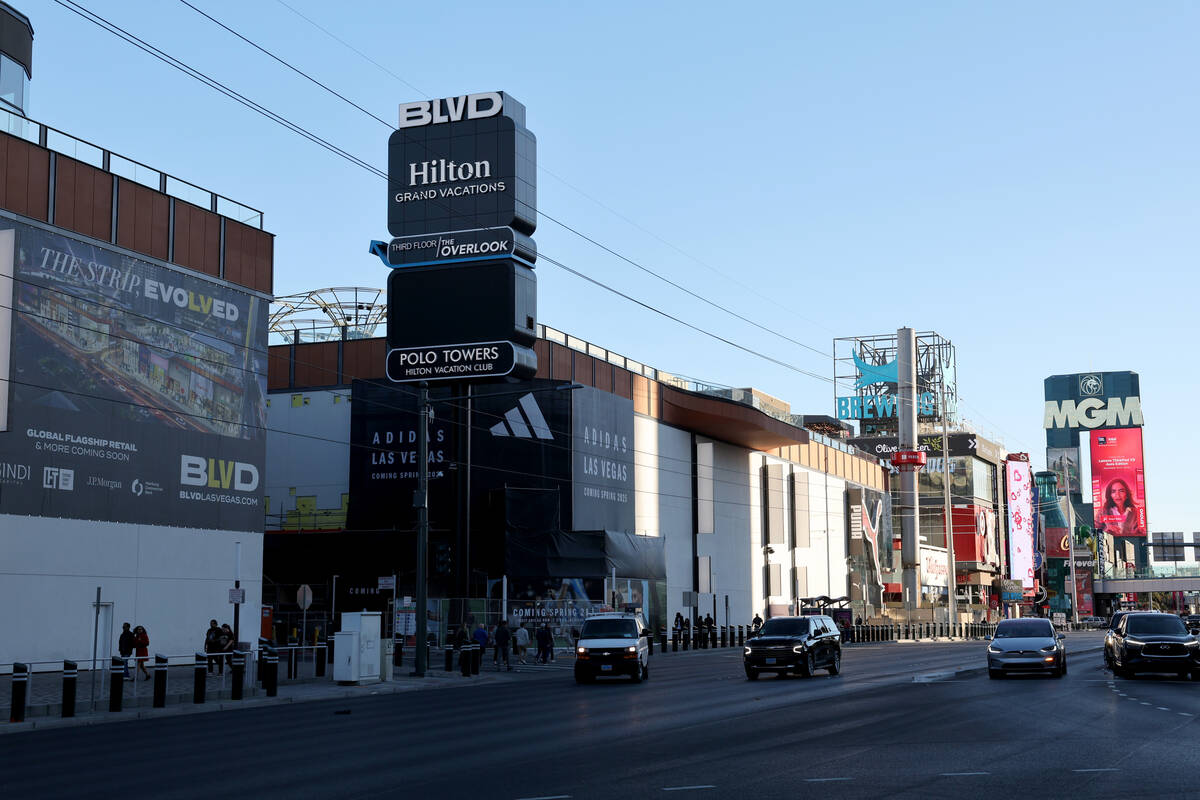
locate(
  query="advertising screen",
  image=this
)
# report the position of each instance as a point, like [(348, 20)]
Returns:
[(137, 391), (601, 461), (1019, 483), (1119, 482), (1064, 462)]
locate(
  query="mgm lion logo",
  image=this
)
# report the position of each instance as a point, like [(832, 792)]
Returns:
[(1091, 385)]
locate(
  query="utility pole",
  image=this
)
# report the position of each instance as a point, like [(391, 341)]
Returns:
[(952, 592), (909, 500), (421, 501)]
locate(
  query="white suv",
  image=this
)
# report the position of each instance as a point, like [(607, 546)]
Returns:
[(612, 644)]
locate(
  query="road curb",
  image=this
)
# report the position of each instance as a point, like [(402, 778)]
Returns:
[(966, 672)]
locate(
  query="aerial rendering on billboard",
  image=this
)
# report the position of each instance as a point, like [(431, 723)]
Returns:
[(138, 391), (1119, 481)]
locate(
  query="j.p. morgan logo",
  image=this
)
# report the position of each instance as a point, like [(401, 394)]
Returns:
[(450, 109), (1091, 385)]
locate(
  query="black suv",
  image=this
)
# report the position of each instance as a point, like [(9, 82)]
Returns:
[(794, 644), (1150, 642)]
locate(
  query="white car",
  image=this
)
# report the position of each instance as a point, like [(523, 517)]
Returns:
[(612, 644)]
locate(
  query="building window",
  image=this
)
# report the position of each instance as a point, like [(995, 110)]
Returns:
[(13, 83)]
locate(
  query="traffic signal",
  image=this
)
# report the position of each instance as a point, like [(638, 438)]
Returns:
[(441, 559)]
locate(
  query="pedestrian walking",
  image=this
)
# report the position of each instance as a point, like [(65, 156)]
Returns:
[(503, 643), (125, 645), (545, 643), (757, 623), (212, 638), (141, 640), (521, 636), (227, 644), (678, 624), (481, 638)]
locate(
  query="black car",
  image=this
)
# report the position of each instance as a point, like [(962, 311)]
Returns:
[(1109, 630), (1150, 642), (794, 644)]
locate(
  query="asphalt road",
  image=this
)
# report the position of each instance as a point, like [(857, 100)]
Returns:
[(697, 728)]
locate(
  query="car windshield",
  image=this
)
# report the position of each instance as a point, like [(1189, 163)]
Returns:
[(1159, 623), (785, 626), (1024, 629), (609, 629)]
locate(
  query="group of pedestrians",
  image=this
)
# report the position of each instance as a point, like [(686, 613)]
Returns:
[(507, 643), (134, 644), (219, 644)]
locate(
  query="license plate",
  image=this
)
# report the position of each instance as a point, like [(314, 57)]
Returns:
[(770, 661), (606, 667)]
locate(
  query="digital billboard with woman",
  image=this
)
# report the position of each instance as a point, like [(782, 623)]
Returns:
[(1118, 481)]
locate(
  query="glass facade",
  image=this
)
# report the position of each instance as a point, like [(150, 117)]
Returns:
[(14, 84)]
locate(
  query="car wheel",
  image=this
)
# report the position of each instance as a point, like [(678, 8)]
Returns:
[(646, 672), (636, 677), (1064, 665), (751, 674), (995, 674), (810, 665), (835, 666)]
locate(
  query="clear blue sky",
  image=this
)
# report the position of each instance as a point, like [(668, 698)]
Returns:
[(1018, 177)]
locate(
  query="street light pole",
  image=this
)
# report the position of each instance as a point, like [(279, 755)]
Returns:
[(952, 590)]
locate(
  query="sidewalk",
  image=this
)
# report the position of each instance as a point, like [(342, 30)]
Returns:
[(44, 708)]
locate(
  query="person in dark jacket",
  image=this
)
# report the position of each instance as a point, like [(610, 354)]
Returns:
[(545, 642), (212, 638), (503, 644), (125, 647), (141, 641)]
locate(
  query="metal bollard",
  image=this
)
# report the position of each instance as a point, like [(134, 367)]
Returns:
[(687, 638), (263, 644), (239, 669), (449, 651), (291, 658), (675, 640), (476, 657), (724, 637), (464, 660), (160, 681), (664, 640), (70, 679), (199, 678), (650, 645), (270, 676), (116, 683), (20, 685), (741, 635)]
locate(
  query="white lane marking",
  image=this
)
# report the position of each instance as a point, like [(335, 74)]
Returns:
[(1098, 769), (686, 788), (956, 774), (1163, 708), (1144, 703), (825, 780), (1184, 714), (548, 797)]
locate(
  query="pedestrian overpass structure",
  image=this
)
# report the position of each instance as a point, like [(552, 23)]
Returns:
[(1154, 578)]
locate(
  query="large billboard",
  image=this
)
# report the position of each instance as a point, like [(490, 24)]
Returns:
[(1064, 462), (601, 461), (137, 390), (1019, 497), (1119, 482), (1087, 401)]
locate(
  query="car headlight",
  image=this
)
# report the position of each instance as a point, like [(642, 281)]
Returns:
[(581, 651), (1134, 642), (798, 648), (1049, 648), (993, 649), (746, 651), (1193, 643), (631, 649)]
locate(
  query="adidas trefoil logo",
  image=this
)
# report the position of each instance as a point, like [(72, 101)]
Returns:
[(519, 425)]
